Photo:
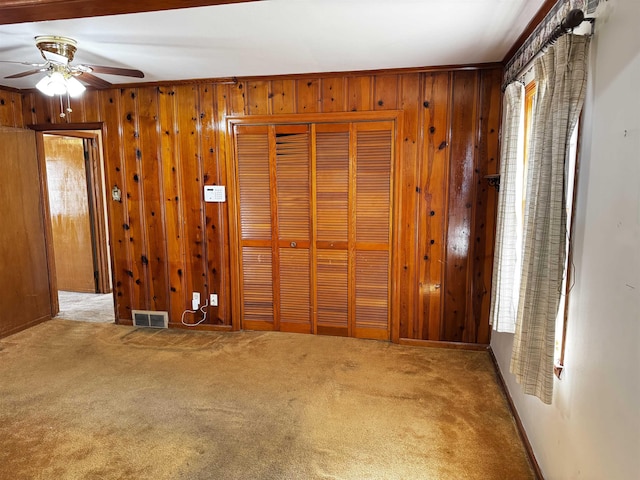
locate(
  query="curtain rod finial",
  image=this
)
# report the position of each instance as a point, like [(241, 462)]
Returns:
[(573, 19)]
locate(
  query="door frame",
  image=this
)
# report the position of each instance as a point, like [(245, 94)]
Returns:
[(103, 254), (395, 116)]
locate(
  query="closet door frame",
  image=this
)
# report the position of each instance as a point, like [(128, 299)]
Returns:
[(233, 198)]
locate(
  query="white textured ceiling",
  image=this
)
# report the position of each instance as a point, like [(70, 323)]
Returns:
[(280, 37)]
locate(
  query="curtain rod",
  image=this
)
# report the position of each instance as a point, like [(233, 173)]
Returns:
[(574, 19)]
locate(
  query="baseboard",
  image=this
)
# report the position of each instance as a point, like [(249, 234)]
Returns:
[(202, 327), (19, 328), (435, 344), (514, 412)]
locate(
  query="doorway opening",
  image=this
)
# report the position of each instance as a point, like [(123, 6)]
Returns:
[(75, 209)]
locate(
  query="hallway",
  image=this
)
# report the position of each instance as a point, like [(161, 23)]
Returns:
[(86, 307)]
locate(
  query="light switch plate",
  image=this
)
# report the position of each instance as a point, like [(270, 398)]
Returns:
[(215, 193)]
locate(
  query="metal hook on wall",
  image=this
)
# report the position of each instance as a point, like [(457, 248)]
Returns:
[(493, 181)]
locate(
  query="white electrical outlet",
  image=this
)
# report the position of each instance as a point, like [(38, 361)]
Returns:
[(213, 300)]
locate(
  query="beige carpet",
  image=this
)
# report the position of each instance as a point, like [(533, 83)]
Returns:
[(102, 401)]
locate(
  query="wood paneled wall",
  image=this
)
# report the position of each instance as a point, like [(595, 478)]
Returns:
[(24, 281), (10, 109), (163, 143)]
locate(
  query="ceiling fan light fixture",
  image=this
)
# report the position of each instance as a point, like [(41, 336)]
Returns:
[(74, 87), (56, 83), (43, 86)]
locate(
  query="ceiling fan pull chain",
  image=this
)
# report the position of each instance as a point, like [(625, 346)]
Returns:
[(68, 103), (62, 114)]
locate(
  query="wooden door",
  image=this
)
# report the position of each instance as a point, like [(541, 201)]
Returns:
[(314, 217), (292, 235), (333, 174), (353, 174), (24, 283), (255, 227), (70, 214), (371, 235), (275, 227)]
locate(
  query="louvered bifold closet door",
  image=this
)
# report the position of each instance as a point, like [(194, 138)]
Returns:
[(255, 218), (373, 202), (293, 218), (314, 205), (332, 228)]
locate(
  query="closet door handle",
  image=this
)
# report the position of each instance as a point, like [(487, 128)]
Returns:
[(294, 244)]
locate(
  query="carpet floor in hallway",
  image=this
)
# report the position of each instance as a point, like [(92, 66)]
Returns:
[(86, 307)]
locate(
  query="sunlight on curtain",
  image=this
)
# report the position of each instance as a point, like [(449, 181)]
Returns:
[(506, 260), (561, 75)]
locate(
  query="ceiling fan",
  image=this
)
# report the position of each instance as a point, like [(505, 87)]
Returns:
[(62, 77)]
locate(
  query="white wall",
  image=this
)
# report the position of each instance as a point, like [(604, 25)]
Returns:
[(592, 428)]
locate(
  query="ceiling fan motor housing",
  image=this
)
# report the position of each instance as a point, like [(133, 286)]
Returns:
[(63, 46)]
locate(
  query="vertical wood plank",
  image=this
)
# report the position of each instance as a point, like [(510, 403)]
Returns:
[(115, 177), (155, 258), (193, 241), (77, 113), (385, 92), (171, 173), (360, 93), (6, 109), (460, 207), (334, 94), (40, 109), (10, 109), (283, 96), (237, 100), (135, 224), (308, 95), (90, 106), (29, 116), (55, 108), (258, 101), (433, 183), (218, 235), (485, 203), (410, 95), (207, 147)]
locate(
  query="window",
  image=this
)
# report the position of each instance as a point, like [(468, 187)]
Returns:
[(561, 319)]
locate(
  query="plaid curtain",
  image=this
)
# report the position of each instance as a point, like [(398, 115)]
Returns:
[(561, 76), (506, 259)]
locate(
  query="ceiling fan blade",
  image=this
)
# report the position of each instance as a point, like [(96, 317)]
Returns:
[(29, 64), (93, 81), (27, 73), (126, 72)]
